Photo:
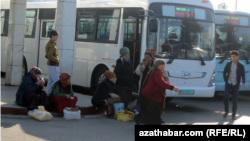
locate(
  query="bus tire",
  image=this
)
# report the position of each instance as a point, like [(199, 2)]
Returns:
[(24, 67), (99, 78), (168, 99)]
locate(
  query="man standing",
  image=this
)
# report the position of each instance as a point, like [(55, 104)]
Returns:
[(232, 74), (53, 60)]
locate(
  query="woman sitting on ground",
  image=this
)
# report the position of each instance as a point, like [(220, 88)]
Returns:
[(103, 97), (30, 93), (153, 90), (62, 93)]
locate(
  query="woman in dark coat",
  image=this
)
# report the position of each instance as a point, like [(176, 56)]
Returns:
[(153, 90), (103, 97), (124, 73), (30, 93)]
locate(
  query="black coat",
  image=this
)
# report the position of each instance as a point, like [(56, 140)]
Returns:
[(124, 74), (240, 72), (102, 92)]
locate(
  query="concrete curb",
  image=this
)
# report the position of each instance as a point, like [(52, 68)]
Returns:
[(11, 112), (8, 116)]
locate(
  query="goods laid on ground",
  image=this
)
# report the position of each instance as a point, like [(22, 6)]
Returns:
[(118, 107), (72, 113), (40, 114), (125, 115)]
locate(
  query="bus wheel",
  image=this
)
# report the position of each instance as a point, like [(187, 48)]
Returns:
[(168, 99), (24, 67), (99, 77)]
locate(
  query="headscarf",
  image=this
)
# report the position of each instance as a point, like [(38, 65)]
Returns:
[(108, 74), (62, 84), (156, 65), (34, 71), (124, 51), (150, 52), (63, 78)]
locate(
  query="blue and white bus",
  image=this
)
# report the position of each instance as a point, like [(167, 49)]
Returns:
[(184, 39), (232, 33)]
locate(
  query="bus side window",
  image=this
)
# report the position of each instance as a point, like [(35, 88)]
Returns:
[(99, 25), (4, 22), (30, 21)]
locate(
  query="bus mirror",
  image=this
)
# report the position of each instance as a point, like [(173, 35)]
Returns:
[(153, 25)]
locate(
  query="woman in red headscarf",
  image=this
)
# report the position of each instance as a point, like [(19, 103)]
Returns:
[(30, 93), (62, 93), (103, 96)]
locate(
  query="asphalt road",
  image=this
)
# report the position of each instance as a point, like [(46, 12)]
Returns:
[(179, 111)]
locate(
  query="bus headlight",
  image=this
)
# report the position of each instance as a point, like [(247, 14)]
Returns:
[(212, 80)]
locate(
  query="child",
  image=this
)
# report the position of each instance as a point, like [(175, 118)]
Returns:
[(103, 97)]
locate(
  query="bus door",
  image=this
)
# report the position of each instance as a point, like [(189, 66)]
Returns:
[(47, 24), (132, 38), (132, 34)]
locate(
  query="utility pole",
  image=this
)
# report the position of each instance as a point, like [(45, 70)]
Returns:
[(236, 5)]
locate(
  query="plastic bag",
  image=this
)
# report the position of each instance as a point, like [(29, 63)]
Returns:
[(113, 95), (40, 114), (125, 116), (132, 105), (71, 114), (118, 107)]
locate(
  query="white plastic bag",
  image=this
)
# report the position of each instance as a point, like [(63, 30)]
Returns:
[(113, 95), (71, 114), (41, 115), (132, 105)]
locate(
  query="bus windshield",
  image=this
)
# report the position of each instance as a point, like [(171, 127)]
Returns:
[(184, 38), (230, 38)]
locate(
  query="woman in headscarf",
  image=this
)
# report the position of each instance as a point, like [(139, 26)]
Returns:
[(30, 93), (153, 90), (103, 96), (142, 70), (124, 74), (62, 94)]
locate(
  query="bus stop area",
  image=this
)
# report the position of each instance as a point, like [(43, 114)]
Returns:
[(179, 111), (8, 107)]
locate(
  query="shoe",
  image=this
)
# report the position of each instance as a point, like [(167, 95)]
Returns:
[(225, 115), (233, 118), (162, 121), (111, 116)]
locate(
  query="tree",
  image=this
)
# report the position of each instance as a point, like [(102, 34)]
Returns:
[(222, 6)]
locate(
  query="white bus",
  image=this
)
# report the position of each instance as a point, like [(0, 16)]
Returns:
[(232, 33), (181, 32)]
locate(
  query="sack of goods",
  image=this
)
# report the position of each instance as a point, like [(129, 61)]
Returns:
[(118, 107), (40, 114), (125, 115), (72, 113)]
